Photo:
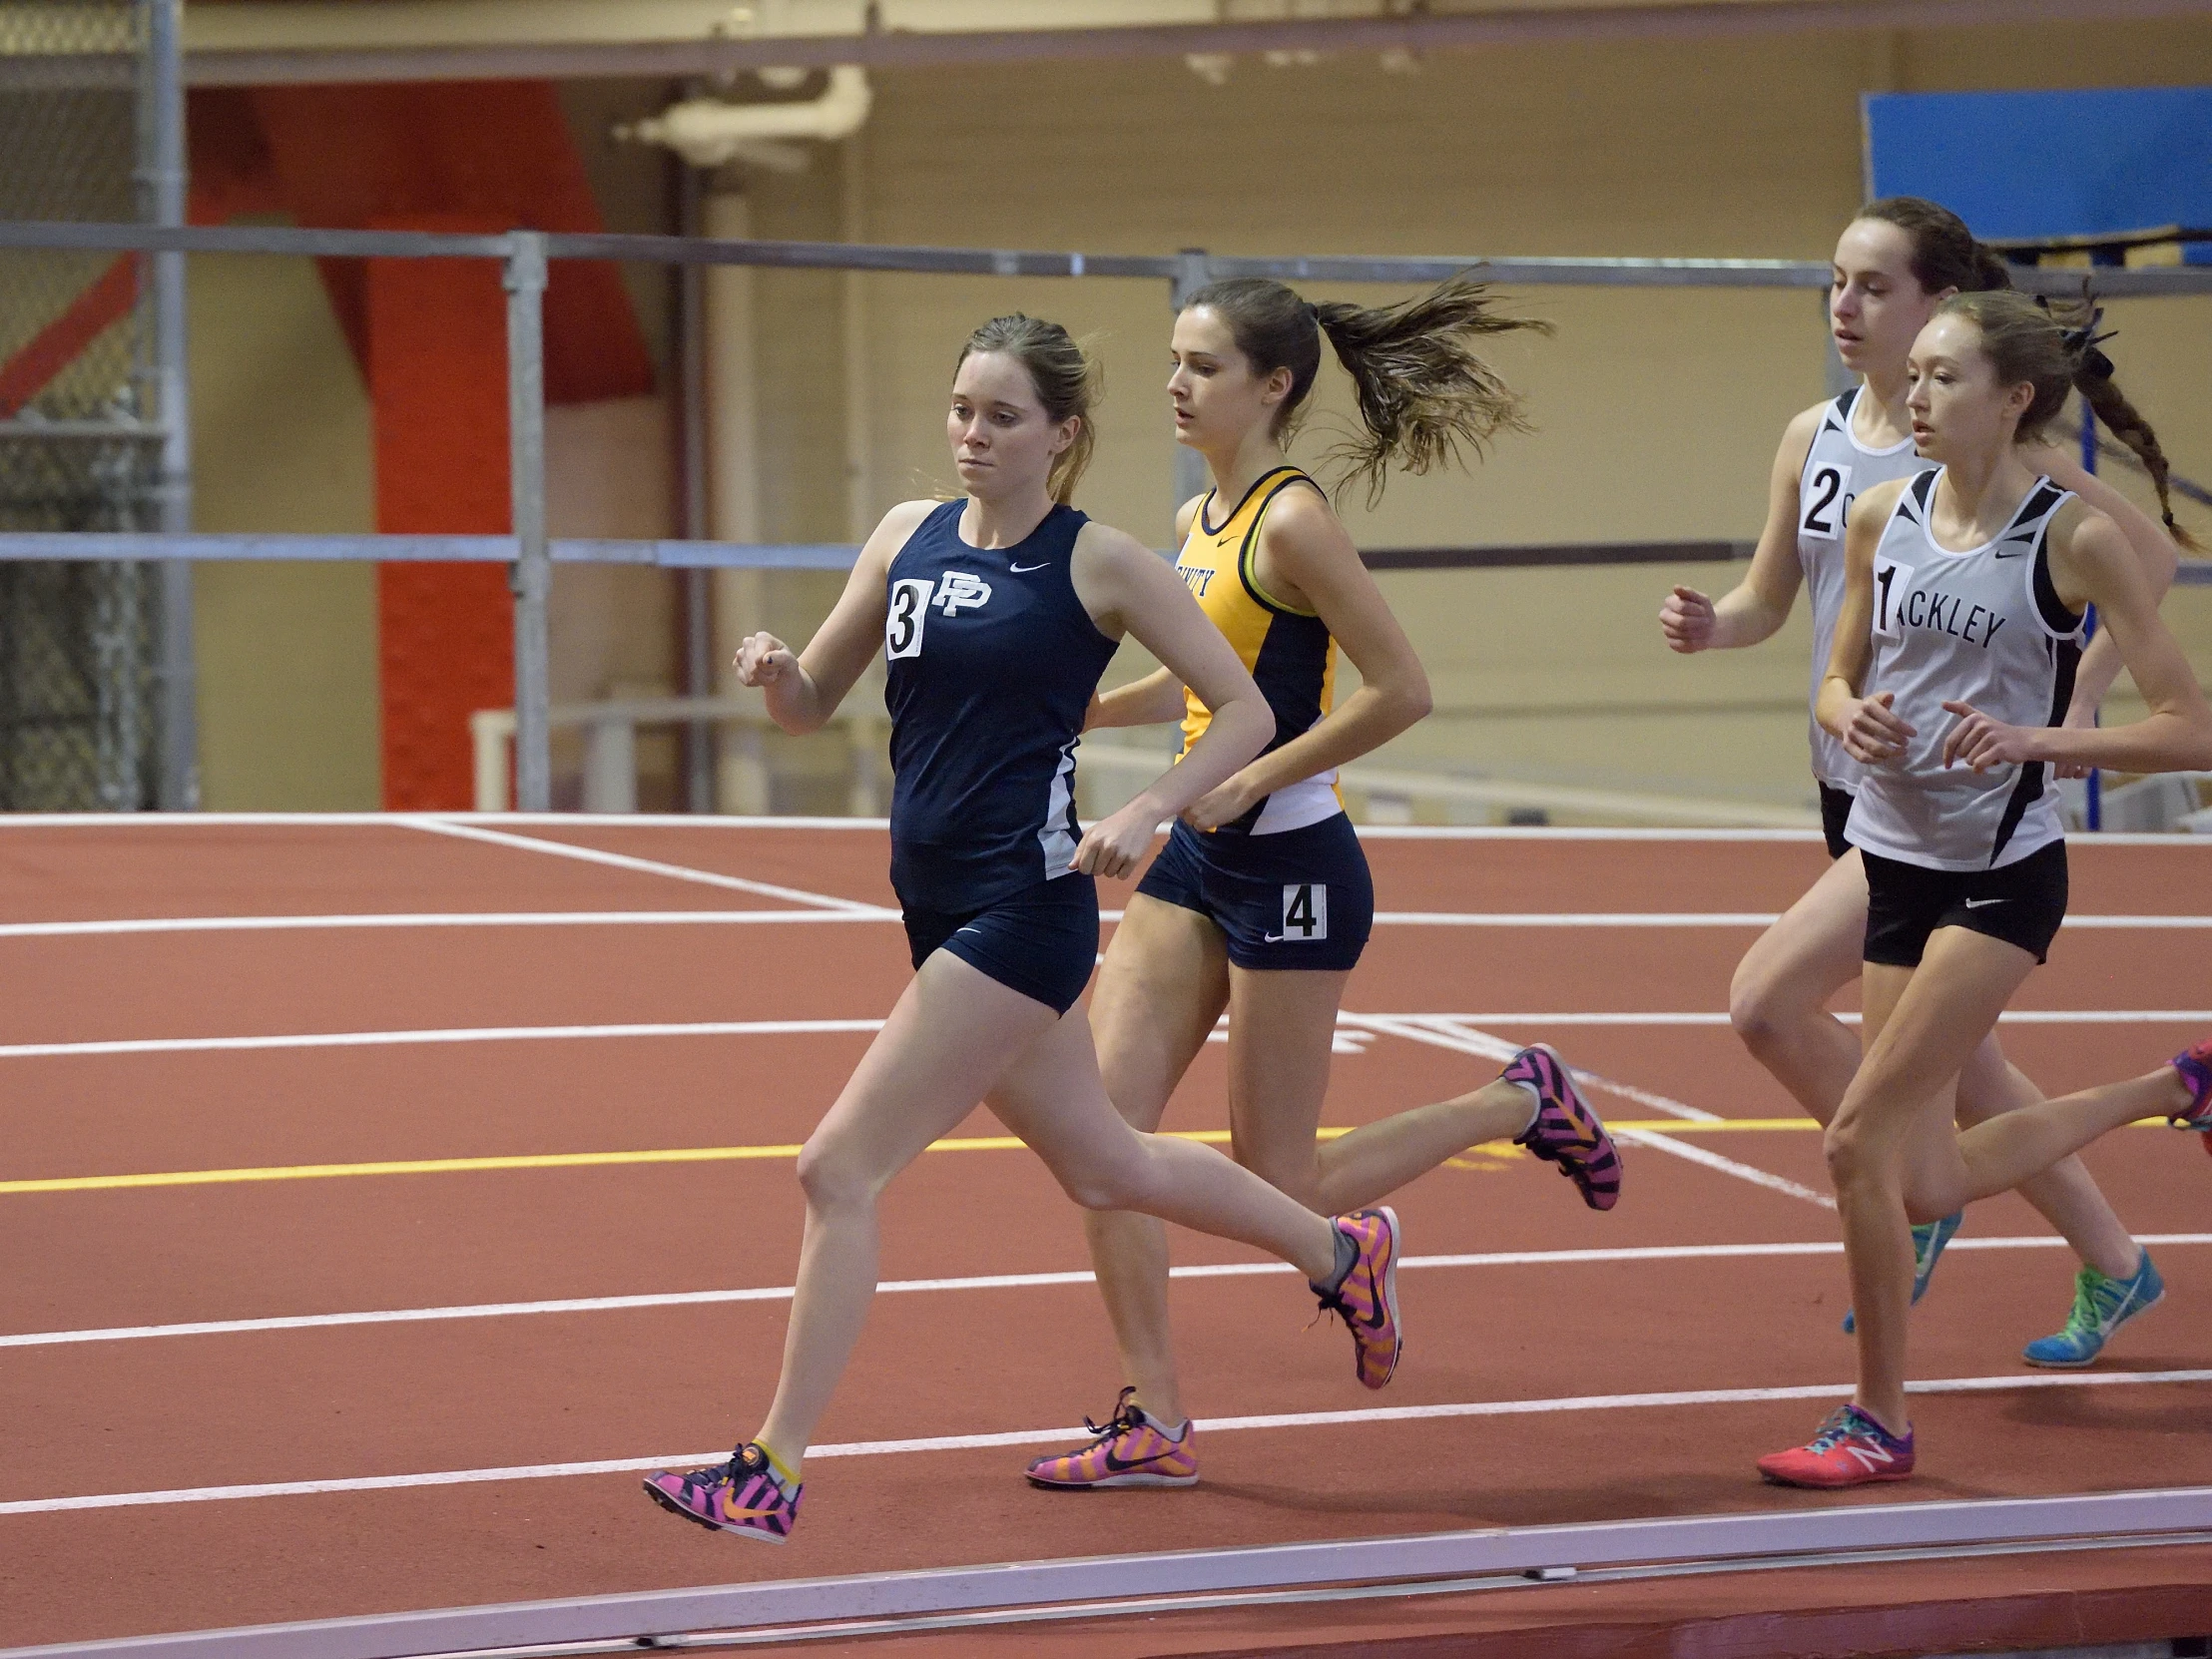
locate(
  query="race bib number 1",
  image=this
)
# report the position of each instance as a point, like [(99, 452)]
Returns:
[(1893, 587)]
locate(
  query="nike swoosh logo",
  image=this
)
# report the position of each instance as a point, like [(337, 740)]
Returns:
[(1120, 1468), (967, 929), (1023, 570), (1983, 904), (1271, 938)]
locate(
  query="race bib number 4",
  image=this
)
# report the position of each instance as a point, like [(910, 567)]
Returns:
[(1305, 911)]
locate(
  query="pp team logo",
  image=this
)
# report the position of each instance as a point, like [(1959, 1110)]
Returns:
[(961, 590), (913, 599)]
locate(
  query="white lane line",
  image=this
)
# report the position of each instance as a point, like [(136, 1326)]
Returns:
[(622, 860), (1459, 1032), (878, 913), (432, 919), (1727, 1166), (465, 1034), (989, 1282), (1047, 1437), (1438, 1030)]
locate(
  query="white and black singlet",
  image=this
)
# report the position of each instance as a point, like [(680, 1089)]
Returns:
[(1837, 468), (1983, 626)]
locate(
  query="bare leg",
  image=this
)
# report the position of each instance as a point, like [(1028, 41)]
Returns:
[(950, 1032), (1282, 1028), (1996, 1156), (1778, 1001), (1778, 1004), (1164, 983), (1053, 1098), (2065, 1194), (1894, 1132), (943, 1046)]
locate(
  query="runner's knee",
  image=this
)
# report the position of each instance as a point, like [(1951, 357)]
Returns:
[(834, 1176)]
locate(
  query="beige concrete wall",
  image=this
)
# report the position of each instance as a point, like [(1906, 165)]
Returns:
[(280, 442), (1658, 412)]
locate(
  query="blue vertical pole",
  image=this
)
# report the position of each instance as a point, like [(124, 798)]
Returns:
[(2094, 794)]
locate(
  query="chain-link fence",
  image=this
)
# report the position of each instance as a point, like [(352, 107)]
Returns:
[(79, 444)]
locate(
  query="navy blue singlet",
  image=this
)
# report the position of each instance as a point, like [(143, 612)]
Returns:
[(992, 661)]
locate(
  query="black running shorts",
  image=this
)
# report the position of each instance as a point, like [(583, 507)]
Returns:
[(2022, 903), (1041, 942)]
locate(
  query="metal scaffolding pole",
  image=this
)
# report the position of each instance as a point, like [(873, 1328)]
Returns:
[(691, 381), (179, 786), (531, 575)]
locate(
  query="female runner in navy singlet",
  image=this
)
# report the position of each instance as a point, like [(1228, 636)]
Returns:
[(1955, 657), (997, 613), (1895, 263), (1261, 902)]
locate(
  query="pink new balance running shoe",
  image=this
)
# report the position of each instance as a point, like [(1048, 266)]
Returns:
[(1567, 1131), (1852, 1449), (746, 1495), (1367, 1297), (1130, 1450)]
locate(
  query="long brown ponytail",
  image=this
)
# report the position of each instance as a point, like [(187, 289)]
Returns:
[(2055, 348), (1946, 254), (1422, 392)]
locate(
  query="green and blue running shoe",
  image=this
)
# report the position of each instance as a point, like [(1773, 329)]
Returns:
[(1929, 1239), (2102, 1305)]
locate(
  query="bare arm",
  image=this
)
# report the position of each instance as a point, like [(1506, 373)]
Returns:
[(1760, 604), (1304, 546), (1126, 588), (2100, 663), (1866, 726), (2092, 563), (803, 691), (1158, 697)]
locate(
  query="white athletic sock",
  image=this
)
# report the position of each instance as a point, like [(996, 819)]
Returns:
[(1535, 1103)]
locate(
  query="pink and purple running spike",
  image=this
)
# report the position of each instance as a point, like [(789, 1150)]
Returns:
[(1567, 1131), (2195, 1066), (743, 1497)]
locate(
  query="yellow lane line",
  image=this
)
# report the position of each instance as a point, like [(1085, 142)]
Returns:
[(737, 1154)]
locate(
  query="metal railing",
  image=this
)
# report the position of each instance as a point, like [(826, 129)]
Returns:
[(524, 256)]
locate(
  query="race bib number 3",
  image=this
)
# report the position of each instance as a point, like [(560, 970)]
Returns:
[(1892, 588), (910, 610), (1305, 911)]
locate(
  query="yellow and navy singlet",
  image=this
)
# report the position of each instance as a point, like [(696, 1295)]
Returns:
[(1289, 652)]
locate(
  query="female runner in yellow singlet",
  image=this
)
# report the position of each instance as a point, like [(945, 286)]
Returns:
[(1261, 902)]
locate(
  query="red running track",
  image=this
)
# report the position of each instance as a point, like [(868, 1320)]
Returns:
[(159, 1412)]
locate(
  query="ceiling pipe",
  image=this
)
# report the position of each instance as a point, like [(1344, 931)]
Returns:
[(706, 132), (1510, 25)]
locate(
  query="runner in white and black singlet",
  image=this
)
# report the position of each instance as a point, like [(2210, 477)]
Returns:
[(1954, 651), (996, 615), (1893, 263)]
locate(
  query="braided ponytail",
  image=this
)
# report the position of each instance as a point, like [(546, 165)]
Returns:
[(2031, 340)]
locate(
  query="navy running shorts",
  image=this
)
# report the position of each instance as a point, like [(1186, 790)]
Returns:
[(1041, 942), (1834, 813), (1301, 898), (2022, 903)]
